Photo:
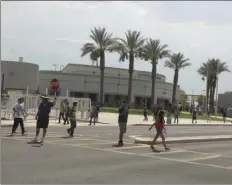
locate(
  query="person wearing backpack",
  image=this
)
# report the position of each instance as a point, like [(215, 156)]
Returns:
[(122, 122), (72, 116)]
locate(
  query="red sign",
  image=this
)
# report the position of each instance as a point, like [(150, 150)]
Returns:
[(54, 84)]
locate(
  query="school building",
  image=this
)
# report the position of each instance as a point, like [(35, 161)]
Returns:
[(84, 81)]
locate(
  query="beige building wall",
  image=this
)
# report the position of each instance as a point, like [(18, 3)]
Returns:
[(19, 75), (112, 85)]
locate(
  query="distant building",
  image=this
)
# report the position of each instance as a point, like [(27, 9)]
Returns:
[(225, 100), (84, 81)]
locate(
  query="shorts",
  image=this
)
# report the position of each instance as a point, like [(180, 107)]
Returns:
[(122, 127), (194, 117), (42, 122), (159, 130)]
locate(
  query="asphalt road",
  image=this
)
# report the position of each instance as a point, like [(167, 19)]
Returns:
[(89, 158)]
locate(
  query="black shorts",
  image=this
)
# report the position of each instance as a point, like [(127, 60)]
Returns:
[(194, 117), (42, 122), (159, 130)]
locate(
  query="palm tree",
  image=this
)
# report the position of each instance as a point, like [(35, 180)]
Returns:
[(210, 70), (130, 48), (153, 51), (102, 42), (176, 61)]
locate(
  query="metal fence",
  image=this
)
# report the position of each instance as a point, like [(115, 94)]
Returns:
[(31, 103)]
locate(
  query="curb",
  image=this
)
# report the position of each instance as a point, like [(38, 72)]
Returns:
[(176, 125), (137, 141)]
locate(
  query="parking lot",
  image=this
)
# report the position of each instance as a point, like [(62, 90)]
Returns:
[(90, 158)]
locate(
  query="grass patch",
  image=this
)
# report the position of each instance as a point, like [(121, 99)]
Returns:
[(140, 112)]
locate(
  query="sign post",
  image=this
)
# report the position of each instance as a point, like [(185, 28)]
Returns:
[(54, 84)]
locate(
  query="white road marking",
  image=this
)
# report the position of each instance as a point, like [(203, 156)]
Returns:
[(203, 158)]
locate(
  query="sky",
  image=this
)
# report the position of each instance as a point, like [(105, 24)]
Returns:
[(49, 33)]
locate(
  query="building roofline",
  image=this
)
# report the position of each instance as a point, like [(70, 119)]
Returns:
[(107, 67), (15, 61)]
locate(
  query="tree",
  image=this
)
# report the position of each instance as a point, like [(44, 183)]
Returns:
[(153, 51), (210, 70), (176, 61), (130, 48), (103, 41)]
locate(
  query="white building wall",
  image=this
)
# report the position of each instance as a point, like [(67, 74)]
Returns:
[(91, 84)]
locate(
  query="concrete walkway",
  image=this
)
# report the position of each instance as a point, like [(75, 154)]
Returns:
[(111, 119)]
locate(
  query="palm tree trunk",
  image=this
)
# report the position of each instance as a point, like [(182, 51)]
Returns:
[(102, 68), (175, 81), (207, 95), (131, 70), (153, 81)]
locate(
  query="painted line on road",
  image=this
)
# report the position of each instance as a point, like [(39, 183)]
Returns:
[(203, 158), (150, 156), (128, 147), (141, 155)]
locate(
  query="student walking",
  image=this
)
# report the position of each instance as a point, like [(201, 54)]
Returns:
[(19, 115), (62, 111), (72, 116), (43, 118), (122, 122), (208, 116), (194, 116), (66, 113), (145, 114), (159, 125), (93, 115), (176, 115), (224, 115)]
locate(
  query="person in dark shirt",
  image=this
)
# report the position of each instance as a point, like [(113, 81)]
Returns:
[(194, 116), (122, 122), (145, 114), (43, 118), (224, 115)]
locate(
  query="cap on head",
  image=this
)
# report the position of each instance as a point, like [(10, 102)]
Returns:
[(44, 97)]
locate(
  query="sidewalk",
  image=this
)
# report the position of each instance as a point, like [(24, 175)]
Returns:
[(111, 119), (137, 120), (192, 139)]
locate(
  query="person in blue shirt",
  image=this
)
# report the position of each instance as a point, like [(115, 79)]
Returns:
[(43, 118)]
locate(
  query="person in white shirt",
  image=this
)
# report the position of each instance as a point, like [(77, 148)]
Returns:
[(19, 114)]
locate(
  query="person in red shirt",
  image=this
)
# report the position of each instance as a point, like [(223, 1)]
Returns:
[(159, 125)]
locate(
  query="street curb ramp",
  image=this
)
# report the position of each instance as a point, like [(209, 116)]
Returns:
[(176, 125), (138, 140)]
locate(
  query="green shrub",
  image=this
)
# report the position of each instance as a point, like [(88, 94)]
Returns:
[(140, 112)]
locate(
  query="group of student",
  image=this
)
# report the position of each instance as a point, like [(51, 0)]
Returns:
[(42, 117)]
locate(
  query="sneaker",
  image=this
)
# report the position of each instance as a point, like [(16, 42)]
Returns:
[(35, 140), (152, 147), (167, 149), (24, 133)]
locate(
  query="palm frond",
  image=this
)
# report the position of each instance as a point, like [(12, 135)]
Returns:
[(177, 61), (88, 48)]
